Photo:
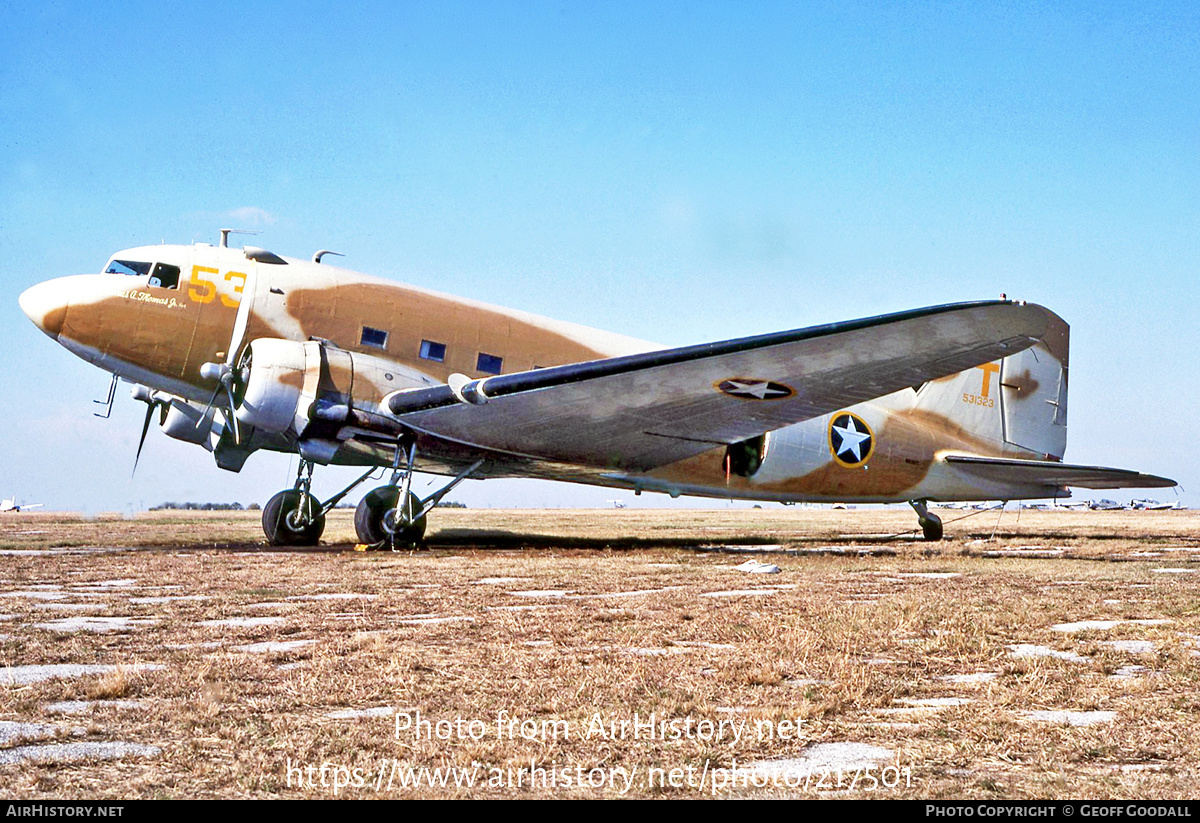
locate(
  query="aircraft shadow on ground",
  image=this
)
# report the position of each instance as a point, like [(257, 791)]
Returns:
[(498, 539)]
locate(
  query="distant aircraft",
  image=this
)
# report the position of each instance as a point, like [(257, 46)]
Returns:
[(618, 504), (11, 505), (1147, 504), (1076, 506), (241, 349), (1105, 505)]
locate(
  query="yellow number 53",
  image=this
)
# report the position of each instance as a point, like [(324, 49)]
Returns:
[(203, 290)]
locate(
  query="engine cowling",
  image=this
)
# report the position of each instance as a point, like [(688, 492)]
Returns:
[(177, 417), (314, 389), (272, 376), (186, 422)]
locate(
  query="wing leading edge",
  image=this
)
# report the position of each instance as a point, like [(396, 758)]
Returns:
[(641, 411)]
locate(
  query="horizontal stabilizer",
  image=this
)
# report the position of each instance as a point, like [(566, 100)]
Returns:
[(1045, 473)]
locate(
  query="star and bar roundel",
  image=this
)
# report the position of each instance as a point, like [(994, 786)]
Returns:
[(749, 388), (851, 440)]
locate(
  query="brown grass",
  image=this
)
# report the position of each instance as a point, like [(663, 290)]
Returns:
[(111, 686), (849, 636)]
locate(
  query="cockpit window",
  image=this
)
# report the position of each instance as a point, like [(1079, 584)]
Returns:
[(133, 267), (165, 276)]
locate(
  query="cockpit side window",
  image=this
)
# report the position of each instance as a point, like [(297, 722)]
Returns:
[(165, 276), (130, 267)]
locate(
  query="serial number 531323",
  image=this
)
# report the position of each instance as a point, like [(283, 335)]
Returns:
[(979, 400)]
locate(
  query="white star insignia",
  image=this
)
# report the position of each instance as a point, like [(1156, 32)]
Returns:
[(758, 389), (852, 439)]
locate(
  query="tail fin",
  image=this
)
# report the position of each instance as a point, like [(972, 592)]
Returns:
[(1019, 403)]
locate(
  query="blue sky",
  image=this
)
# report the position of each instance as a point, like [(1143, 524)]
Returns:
[(679, 172)]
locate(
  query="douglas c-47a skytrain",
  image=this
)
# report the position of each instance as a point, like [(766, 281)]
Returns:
[(240, 349)]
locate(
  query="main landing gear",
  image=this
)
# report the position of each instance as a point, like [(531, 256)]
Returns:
[(382, 520), (294, 517), (931, 524), (390, 516)]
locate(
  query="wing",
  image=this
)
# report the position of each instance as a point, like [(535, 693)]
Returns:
[(646, 410), (1053, 475)]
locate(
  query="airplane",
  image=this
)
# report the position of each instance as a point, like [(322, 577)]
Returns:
[(11, 505), (1149, 505), (240, 350)]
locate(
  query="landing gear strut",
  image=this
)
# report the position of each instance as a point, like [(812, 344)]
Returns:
[(931, 524), (392, 516)]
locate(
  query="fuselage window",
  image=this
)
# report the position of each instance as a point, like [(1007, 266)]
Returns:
[(433, 351), (165, 276), (489, 364), (131, 267), (374, 337)]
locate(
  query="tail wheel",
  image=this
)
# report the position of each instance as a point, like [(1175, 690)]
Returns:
[(380, 520), (293, 519), (931, 527)]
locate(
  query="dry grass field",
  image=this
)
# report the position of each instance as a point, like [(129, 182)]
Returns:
[(604, 654)]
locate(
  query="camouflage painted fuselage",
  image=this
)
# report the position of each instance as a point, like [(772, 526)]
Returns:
[(159, 326)]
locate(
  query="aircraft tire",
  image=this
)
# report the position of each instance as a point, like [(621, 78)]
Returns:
[(931, 527), (278, 522), (375, 519)]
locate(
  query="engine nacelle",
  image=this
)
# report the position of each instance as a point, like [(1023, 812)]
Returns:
[(186, 422), (273, 374), (177, 417), (315, 389)]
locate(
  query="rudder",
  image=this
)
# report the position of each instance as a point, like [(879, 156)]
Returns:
[(1019, 403)]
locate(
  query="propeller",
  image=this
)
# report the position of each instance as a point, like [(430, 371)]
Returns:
[(226, 378), (151, 399)]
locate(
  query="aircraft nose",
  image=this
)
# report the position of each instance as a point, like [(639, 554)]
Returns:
[(46, 305)]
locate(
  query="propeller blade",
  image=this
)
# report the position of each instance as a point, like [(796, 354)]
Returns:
[(237, 434), (142, 441), (208, 408), (242, 318)]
